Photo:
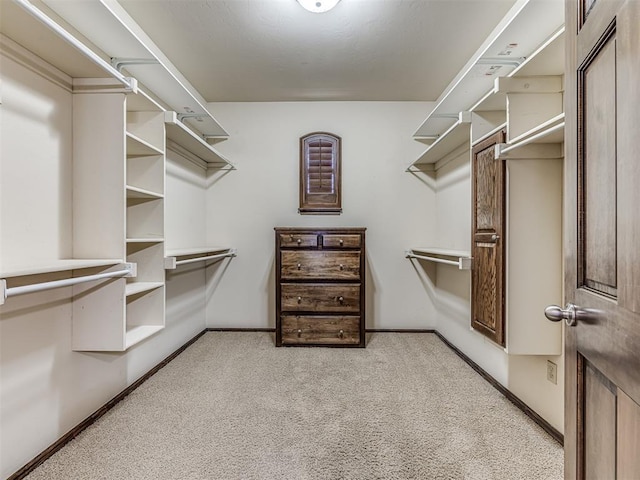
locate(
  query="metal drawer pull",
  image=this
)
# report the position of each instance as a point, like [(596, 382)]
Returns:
[(495, 237), (299, 266), (291, 238), (299, 241), (341, 242), (299, 299), (341, 334), (299, 332), (341, 299), (341, 267)]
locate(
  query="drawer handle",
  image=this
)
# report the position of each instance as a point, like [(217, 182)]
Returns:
[(341, 334), (340, 299), (341, 242), (299, 241), (299, 299), (299, 332), (299, 266), (341, 267)]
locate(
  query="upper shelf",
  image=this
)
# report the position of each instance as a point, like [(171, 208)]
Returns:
[(180, 134), (106, 24), (53, 266), (521, 31), (455, 136)]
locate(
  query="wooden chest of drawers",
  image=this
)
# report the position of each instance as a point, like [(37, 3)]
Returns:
[(320, 288)]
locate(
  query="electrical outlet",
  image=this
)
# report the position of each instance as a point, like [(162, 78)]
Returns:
[(552, 372)]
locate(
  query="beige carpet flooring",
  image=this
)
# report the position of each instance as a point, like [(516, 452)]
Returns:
[(233, 406)]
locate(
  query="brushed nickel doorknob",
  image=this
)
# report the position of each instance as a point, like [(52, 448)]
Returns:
[(557, 314)]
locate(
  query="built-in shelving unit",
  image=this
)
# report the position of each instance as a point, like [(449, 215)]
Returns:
[(107, 25), (517, 36), (459, 258), (177, 257), (513, 83)]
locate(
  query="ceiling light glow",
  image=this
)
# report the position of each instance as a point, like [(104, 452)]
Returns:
[(318, 6)]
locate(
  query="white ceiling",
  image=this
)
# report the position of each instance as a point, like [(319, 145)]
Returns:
[(274, 50)]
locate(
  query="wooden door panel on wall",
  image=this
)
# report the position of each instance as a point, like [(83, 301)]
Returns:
[(602, 279), (487, 279)]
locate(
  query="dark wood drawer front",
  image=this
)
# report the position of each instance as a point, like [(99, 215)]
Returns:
[(317, 265), (334, 330), (313, 297), (340, 241), (300, 240)]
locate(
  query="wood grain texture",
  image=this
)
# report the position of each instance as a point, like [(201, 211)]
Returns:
[(298, 240), (306, 297), (340, 241), (599, 426), (598, 170), (487, 278), (325, 280), (317, 265), (628, 461), (628, 76), (610, 342), (321, 329)]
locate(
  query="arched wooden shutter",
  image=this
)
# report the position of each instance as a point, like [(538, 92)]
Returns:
[(320, 179)]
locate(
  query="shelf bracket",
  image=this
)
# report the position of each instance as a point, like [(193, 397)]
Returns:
[(3, 291), (182, 116), (118, 62)]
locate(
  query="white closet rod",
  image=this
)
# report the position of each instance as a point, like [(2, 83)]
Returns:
[(230, 253), (128, 82), (129, 271), (434, 259)]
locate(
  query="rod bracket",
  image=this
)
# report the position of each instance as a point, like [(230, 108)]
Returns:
[(118, 62), (133, 269)]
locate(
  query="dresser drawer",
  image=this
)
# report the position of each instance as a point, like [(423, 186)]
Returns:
[(320, 264), (299, 240), (337, 330), (319, 297), (341, 241)]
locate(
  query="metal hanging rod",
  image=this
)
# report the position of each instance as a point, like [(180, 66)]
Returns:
[(118, 62), (128, 271), (463, 263), (129, 83), (171, 262)]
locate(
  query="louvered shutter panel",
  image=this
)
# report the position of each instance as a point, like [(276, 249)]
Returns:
[(320, 173)]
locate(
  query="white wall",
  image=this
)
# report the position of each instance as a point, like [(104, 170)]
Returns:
[(46, 389), (523, 375), (244, 206)]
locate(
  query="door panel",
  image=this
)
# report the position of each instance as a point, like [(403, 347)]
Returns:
[(487, 279), (598, 169), (602, 231)]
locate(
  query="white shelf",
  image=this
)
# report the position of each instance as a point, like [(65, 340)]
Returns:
[(107, 25), (54, 266), (140, 332), (145, 240), (135, 288), (460, 258), (135, 192), (138, 147), (543, 141), (522, 30), (174, 258), (179, 133), (456, 135)]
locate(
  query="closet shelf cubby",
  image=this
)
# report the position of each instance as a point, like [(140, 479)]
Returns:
[(141, 287), (459, 258), (139, 333), (135, 192), (183, 256), (122, 39), (519, 34), (179, 133), (137, 147)]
